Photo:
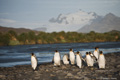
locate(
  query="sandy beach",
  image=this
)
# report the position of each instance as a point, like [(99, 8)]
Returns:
[(47, 71)]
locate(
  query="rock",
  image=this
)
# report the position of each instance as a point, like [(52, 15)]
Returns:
[(101, 71), (76, 77), (69, 75), (109, 76), (85, 78), (118, 66), (52, 75), (47, 70), (78, 73), (2, 76)]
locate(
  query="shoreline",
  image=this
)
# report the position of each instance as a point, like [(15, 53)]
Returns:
[(47, 71), (60, 43)]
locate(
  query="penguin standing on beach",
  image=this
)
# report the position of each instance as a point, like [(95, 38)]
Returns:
[(72, 56), (79, 60), (96, 52), (101, 60), (65, 59), (56, 58), (89, 60), (33, 61), (93, 57)]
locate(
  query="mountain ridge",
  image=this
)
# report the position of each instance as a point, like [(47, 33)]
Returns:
[(108, 23), (17, 30)]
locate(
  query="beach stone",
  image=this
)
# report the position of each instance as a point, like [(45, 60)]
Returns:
[(118, 66), (78, 73), (85, 78), (2, 76), (47, 70), (76, 77), (52, 75), (69, 75), (101, 71)]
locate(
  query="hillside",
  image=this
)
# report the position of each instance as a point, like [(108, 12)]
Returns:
[(17, 30), (107, 23)]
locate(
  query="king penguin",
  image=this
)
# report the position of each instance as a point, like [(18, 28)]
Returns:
[(56, 58), (101, 60), (89, 60), (72, 56), (33, 61), (96, 52), (65, 59), (78, 60), (93, 57)]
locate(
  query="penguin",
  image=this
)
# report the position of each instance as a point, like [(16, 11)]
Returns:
[(56, 58), (93, 57), (72, 56), (65, 59), (89, 60), (33, 61), (78, 60), (101, 60), (96, 52)]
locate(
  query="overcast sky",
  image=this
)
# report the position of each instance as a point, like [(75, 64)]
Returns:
[(34, 13)]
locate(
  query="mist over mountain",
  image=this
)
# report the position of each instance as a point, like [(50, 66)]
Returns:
[(108, 23)]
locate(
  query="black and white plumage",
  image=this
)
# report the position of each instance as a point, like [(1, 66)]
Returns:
[(72, 57), (65, 59), (79, 60), (89, 59), (101, 60), (57, 58), (96, 52), (34, 61), (93, 57)]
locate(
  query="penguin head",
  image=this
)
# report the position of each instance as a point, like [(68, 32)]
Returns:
[(77, 52), (56, 51), (90, 53), (101, 53), (87, 53), (32, 54), (96, 48), (71, 49)]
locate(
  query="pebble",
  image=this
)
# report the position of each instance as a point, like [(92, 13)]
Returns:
[(69, 74), (2, 76), (118, 66)]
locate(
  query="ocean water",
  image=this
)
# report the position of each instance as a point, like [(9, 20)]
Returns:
[(21, 55)]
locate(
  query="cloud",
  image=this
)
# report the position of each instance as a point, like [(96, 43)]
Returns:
[(18, 24), (7, 21)]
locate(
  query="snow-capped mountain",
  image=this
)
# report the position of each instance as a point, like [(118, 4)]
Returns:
[(71, 21), (79, 17)]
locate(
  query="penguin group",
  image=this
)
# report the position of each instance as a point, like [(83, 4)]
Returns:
[(97, 57)]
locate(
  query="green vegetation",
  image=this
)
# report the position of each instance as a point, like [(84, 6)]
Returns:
[(12, 38)]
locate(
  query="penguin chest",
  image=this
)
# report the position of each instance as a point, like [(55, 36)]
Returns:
[(78, 59), (33, 62), (65, 58), (72, 56), (96, 54), (88, 59), (57, 58), (101, 59)]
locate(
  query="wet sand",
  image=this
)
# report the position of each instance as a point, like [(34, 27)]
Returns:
[(47, 71)]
